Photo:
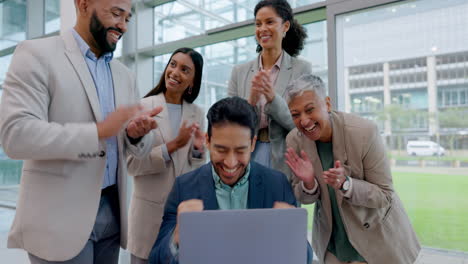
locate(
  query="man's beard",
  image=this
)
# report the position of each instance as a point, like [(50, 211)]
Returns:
[(99, 33)]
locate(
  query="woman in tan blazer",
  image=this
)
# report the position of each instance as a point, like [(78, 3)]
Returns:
[(178, 148), (342, 167), (263, 80)]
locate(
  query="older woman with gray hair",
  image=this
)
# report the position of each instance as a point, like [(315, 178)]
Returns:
[(339, 163)]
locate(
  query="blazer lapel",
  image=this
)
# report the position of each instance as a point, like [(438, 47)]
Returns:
[(207, 188), (339, 150), (75, 56), (284, 75), (256, 188), (162, 119), (250, 74)]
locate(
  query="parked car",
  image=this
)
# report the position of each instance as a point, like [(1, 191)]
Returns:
[(424, 148)]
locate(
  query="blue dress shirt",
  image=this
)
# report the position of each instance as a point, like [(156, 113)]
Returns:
[(102, 76)]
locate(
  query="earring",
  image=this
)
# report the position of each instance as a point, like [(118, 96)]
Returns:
[(190, 90), (284, 34)]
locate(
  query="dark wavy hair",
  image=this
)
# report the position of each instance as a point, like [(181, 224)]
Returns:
[(293, 42), (197, 60), (234, 110)]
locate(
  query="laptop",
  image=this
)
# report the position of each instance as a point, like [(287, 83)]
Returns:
[(253, 236)]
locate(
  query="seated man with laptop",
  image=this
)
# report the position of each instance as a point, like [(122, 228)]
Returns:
[(229, 181)]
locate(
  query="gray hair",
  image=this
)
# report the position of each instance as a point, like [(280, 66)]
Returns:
[(306, 82)]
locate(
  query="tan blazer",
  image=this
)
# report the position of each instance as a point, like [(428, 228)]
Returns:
[(280, 121), (49, 110), (374, 218), (154, 177)]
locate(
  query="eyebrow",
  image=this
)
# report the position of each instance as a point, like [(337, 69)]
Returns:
[(223, 147), (183, 65), (122, 10)]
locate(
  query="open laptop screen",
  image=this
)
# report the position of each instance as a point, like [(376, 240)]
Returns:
[(257, 236)]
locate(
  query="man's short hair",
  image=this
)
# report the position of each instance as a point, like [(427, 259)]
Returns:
[(233, 110)]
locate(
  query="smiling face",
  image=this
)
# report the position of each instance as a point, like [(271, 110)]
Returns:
[(270, 28), (310, 114), (179, 74), (108, 21), (230, 148)]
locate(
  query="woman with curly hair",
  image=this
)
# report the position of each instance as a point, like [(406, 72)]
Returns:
[(263, 80)]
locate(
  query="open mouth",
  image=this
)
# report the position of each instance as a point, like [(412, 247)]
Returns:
[(264, 38), (114, 36), (311, 128), (229, 173), (173, 81)]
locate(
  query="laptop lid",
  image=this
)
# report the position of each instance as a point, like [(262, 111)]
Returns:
[(256, 236)]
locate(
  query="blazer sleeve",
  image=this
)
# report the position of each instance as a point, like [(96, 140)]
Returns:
[(376, 190), (161, 251), (151, 164), (301, 195), (144, 146), (26, 132), (232, 85), (279, 111)]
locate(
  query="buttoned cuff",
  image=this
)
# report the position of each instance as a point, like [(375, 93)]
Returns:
[(311, 192)]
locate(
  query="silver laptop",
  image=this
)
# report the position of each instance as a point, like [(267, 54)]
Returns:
[(254, 236)]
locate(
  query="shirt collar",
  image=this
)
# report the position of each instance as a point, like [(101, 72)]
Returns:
[(277, 63), (86, 51), (220, 183)]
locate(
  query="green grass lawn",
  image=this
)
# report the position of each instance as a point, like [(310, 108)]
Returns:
[(437, 205)]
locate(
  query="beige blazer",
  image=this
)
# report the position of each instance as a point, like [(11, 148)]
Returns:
[(49, 112), (154, 177), (374, 218), (280, 121)]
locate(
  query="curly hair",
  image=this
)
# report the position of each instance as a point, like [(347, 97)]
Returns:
[(293, 42)]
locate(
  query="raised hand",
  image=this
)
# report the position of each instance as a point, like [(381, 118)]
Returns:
[(335, 176), (301, 167), (115, 121), (198, 138), (143, 123), (185, 134), (262, 84), (192, 205)]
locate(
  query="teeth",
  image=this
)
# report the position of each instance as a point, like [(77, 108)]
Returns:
[(115, 35), (308, 129), (174, 80), (230, 170)]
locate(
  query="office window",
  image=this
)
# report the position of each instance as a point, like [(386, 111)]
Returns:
[(182, 19), (52, 16), (421, 40), (4, 64), (13, 22), (220, 58)]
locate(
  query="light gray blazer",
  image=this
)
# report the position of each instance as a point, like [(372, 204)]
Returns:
[(154, 177), (280, 120), (49, 112), (374, 218)]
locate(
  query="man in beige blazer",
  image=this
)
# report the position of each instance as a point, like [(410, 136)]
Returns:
[(355, 202), (64, 109), (279, 119)]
